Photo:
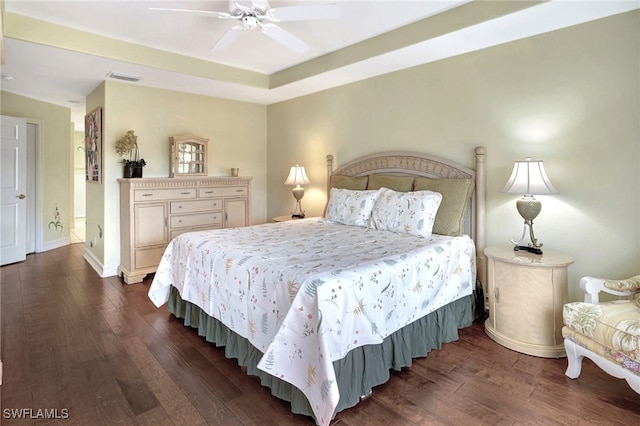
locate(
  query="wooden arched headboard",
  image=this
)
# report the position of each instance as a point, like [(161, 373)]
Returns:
[(404, 163)]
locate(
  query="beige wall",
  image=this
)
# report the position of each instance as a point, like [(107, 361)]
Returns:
[(237, 138), (54, 177), (570, 98)]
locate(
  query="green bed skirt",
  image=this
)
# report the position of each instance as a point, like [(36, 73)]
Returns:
[(359, 371)]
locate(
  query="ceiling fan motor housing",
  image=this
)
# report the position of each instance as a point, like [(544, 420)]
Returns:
[(249, 22)]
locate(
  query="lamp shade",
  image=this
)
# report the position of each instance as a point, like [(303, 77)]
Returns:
[(529, 178), (297, 176)]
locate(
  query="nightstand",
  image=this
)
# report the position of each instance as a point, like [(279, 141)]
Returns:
[(284, 218), (526, 294)]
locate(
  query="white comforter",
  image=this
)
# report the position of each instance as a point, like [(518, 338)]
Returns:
[(306, 292)]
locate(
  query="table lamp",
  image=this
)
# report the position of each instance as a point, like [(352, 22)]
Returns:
[(297, 176), (529, 178)]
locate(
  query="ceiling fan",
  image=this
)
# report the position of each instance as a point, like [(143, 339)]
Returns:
[(261, 15)]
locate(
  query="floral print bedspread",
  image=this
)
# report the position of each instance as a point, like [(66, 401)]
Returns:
[(306, 292)]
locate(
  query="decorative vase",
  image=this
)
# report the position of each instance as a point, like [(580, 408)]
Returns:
[(136, 172), (128, 171), (131, 170)]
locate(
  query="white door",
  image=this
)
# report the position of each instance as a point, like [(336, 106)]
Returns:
[(13, 188)]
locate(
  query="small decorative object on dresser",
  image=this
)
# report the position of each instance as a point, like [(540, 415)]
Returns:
[(189, 156), (153, 211), (526, 294), (128, 145)]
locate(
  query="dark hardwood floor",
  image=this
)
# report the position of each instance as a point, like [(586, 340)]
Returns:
[(95, 351)]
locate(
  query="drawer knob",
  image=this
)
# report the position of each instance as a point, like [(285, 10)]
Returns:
[(239, 190)]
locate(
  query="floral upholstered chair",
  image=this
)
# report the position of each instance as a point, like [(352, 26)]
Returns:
[(608, 333)]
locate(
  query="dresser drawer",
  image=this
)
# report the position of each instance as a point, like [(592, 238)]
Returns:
[(230, 191), (148, 257), (164, 194), (193, 206), (189, 220)]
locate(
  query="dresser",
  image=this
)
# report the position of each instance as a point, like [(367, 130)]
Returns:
[(526, 294), (153, 211)]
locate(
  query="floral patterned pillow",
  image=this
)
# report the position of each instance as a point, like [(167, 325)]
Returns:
[(350, 207), (406, 212)]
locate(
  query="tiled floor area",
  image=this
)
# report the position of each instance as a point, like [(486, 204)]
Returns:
[(78, 231)]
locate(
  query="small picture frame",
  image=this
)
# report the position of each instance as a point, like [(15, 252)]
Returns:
[(93, 145)]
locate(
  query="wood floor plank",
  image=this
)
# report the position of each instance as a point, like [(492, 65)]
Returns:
[(259, 408), (419, 403), (575, 404), (15, 349), (207, 404), (100, 349), (171, 398), (10, 279), (155, 417)]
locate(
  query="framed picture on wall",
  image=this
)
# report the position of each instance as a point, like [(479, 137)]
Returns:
[(93, 145)]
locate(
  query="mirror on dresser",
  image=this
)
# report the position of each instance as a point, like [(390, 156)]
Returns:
[(189, 156)]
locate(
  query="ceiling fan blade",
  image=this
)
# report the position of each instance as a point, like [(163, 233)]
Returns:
[(222, 15), (261, 5), (285, 38), (228, 38), (303, 13)]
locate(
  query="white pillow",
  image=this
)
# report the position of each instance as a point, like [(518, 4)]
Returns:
[(351, 207), (405, 212)]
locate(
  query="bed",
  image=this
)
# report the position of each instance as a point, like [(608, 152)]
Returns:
[(322, 308)]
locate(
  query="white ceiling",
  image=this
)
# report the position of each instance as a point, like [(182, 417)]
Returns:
[(59, 76)]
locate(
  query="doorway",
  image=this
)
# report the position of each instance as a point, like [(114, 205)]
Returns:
[(78, 226)]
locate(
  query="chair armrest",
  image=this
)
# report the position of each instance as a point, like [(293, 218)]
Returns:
[(592, 286)]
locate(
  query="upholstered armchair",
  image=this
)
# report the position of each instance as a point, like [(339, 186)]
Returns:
[(608, 333)]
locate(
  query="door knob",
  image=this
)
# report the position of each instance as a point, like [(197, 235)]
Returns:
[(21, 196)]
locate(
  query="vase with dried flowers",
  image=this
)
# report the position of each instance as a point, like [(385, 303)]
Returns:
[(128, 144)]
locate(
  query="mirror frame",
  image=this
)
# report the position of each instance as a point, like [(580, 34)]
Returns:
[(175, 142)]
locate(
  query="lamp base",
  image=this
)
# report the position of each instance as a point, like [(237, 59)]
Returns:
[(298, 193), (534, 250), (528, 207), (298, 213)]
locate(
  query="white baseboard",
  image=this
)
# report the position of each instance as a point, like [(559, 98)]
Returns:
[(102, 270), (60, 242)]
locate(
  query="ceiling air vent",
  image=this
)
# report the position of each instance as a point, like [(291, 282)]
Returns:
[(125, 77)]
